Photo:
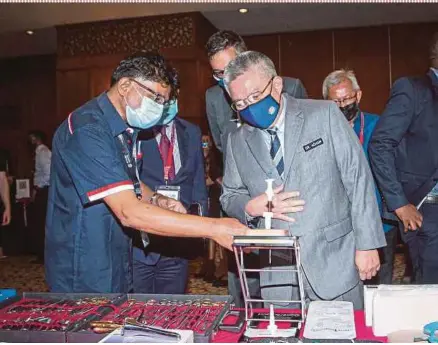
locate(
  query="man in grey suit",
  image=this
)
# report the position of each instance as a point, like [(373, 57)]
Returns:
[(306, 146), (222, 47)]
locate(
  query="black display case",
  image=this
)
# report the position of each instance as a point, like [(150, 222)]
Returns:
[(81, 332), (88, 336)]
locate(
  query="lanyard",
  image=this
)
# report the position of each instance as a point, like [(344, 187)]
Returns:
[(362, 125), (169, 158), (131, 162)]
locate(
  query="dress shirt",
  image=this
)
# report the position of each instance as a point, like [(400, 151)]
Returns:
[(279, 127), (251, 221), (176, 154), (43, 157)]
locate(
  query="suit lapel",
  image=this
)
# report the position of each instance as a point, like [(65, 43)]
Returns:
[(292, 132), (152, 154), (183, 140), (257, 145)]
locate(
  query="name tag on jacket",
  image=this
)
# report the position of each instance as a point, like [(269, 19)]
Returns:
[(313, 144)]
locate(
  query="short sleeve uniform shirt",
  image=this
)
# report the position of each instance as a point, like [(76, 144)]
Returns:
[(87, 249)]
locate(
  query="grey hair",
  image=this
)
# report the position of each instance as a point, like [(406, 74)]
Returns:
[(337, 77), (246, 60)]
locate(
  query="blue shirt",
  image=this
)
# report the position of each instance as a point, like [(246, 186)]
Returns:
[(370, 122), (87, 249)]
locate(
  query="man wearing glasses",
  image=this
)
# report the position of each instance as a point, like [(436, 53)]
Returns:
[(222, 47), (173, 165), (305, 146), (95, 192), (341, 86)]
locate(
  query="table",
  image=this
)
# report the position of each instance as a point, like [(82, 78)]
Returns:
[(362, 331)]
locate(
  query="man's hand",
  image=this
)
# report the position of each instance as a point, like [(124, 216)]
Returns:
[(170, 204), (6, 216), (225, 229), (219, 181), (410, 217), (282, 203), (367, 263)]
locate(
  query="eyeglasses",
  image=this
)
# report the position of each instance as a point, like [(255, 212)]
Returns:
[(346, 100), (251, 99), (218, 73), (156, 97)]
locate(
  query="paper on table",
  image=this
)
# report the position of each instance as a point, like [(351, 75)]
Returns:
[(330, 320)]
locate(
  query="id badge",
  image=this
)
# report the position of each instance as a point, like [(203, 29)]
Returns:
[(169, 191)]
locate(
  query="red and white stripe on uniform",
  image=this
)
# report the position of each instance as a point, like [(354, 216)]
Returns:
[(70, 127), (109, 190)]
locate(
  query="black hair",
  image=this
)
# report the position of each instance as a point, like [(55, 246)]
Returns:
[(148, 66), (39, 135), (222, 40)]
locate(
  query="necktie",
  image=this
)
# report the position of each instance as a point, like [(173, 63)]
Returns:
[(276, 152), (165, 146)]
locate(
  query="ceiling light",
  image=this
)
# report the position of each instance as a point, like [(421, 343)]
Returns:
[(243, 10), (29, 32)]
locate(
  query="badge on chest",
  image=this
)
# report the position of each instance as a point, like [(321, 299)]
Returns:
[(313, 144), (172, 192)]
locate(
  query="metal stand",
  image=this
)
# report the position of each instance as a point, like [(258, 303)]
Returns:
[(244, 243)]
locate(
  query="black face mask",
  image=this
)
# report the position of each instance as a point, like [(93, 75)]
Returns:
[(350, 111)]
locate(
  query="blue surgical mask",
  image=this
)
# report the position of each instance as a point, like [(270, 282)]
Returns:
[(169, 113), (261, 114), (146, 116), (220, 81)]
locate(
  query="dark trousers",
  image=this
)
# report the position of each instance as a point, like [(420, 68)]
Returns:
[(167, 276), (38, 221), (387, 257), (423, 246)]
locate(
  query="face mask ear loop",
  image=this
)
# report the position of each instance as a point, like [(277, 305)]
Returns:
[(138, 93)]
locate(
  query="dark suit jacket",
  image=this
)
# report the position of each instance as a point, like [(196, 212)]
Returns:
[(220, 114), (404, 147), (190, 177)]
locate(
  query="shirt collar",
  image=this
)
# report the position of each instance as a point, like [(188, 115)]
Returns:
[(356, 122), (435, 71), (111, 115), (279, 126)]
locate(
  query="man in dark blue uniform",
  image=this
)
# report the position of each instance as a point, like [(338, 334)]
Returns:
[(95, 191)]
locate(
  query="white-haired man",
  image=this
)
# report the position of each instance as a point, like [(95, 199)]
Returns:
[(305, 146), (342, 87)]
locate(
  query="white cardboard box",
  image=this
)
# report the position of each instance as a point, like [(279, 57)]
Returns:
[(403, 307)]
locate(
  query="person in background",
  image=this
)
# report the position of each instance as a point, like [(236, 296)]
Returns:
[(342, 87), (404, 157), (40, 192), (211, 272), (173, 165), (5, 209), (223, 47)]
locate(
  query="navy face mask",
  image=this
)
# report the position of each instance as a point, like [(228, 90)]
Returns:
[(261, 114)]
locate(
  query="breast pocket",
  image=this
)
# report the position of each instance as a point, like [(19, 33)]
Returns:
[(338, 230)]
